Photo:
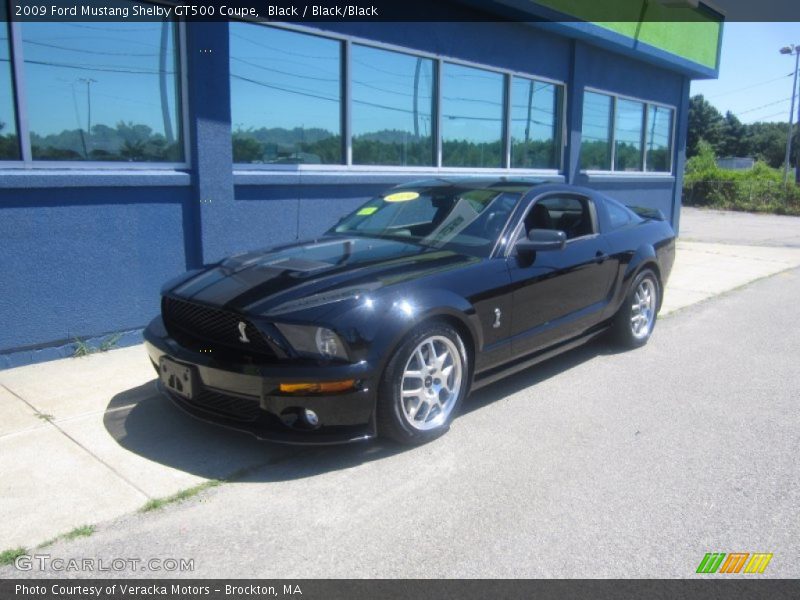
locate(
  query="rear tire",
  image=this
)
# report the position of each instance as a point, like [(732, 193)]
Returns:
[(423, 385), (636, 318)]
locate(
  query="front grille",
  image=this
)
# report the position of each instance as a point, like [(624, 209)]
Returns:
[(201, 327), (231, 407)]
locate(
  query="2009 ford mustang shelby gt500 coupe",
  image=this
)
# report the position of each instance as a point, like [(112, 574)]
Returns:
[(385, 323)]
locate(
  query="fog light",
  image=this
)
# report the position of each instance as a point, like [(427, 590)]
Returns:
[(311, 417)]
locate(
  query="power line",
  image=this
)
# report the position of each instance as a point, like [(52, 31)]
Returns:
[(84, 50), (749, 87), (749, 110)]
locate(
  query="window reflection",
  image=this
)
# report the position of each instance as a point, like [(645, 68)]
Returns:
[(103, 91), (659, 132), (392, 108), (9, 144), (285, 96), (472, 117), (535, 124), (628, 135), (596, 134)]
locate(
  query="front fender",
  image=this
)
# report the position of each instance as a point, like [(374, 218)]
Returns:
[(375, 328)]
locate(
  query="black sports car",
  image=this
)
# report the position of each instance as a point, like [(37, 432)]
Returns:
[(385, 323)]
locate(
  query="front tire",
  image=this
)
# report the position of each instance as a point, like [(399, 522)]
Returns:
[(423, 385), (636, 318)]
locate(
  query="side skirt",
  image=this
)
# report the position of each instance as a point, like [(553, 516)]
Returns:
[(522, 363)]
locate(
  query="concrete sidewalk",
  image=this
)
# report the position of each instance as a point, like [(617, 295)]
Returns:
[(84, 440)]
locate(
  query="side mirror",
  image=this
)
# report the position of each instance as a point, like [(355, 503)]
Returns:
[(540, 240)]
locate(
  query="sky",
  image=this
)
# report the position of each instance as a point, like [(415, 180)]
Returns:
[(755, 79)]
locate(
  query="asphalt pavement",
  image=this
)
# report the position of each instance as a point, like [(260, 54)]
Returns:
[(729, 227), (595, 464)]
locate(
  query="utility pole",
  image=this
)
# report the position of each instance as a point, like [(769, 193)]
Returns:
[(416, 98), (162, 81), (88, 81), (791, 49)]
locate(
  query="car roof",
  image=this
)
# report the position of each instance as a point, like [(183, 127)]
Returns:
[(517, 184), (502, 183)]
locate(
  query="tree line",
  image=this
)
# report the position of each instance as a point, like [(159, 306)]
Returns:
[(728, 136)]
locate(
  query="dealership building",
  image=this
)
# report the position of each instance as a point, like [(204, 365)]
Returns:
[(131, 151)]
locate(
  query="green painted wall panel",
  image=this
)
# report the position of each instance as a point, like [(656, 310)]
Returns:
[(685, 32)]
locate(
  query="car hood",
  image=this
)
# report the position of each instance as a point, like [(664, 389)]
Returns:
[(312, 274)]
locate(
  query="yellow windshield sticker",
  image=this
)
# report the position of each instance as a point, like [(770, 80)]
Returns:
[(367, 210), (401, 197)]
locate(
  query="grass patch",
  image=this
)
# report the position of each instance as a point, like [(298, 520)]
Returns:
[(7, 557), (157, 503), (83, 348), (82, 531), (110, 342)]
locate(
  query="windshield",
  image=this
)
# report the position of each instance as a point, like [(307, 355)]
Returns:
[(452, 218)]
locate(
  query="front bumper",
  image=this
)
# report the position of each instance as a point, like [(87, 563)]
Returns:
[(245, 396)]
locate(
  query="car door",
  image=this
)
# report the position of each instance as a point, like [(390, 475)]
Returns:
[(559, 294)]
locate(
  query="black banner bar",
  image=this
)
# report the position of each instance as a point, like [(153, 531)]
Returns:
[(398, 589), (321, 11)]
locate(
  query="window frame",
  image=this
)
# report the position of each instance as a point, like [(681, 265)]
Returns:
[(27, 161), (519, 228), (348, 114), (613, 140), (438, 61), (560, 121)]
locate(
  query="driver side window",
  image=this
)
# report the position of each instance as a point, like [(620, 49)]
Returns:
[(569, 214)]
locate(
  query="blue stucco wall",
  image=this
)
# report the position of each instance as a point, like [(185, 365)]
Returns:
[(84, 253)]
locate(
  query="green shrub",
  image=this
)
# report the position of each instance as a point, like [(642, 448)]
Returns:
[(760, 189)]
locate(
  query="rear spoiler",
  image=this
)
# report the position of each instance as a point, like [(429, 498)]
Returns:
[(653, 214)]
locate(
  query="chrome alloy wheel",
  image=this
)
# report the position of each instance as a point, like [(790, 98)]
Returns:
[(431, 383), (643, 309)]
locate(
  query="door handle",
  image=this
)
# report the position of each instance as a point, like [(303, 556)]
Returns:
[(600, 256)]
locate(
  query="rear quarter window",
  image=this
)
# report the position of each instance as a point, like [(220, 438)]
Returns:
[(620, 216)]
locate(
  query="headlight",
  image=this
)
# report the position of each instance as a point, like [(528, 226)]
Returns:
[(328, 343), (309, 340)]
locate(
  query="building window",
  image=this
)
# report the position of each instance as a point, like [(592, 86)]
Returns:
[(629, 119), (640, 139), (9, 142), (103, 92), (659, 134), (596, 138), (392, 108), (285, 96), (535, 126), (300, 97), (472, 117)]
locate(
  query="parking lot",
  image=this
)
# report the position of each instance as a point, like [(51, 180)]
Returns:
[(598, 463)]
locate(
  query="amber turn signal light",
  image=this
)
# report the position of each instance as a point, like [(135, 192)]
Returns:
[(318, 388)]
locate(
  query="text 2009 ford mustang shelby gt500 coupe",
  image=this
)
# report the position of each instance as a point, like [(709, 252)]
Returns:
[(385, 323)]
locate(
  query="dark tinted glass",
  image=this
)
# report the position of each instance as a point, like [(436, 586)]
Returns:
[(535, 124), (285, 96), (9, 143), (472, 117), (618, 215), (596, 135), (628, 135), (103, 91), (392, 108)]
